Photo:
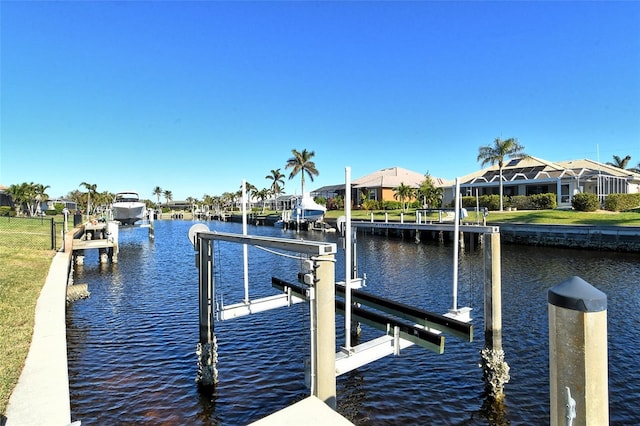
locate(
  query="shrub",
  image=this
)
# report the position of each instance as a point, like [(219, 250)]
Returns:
[(59, 207), (492, 202), (7, 211), (520, 202), (620, 202), (369, 204), (584, 202), (392, 205), (335, 203), (468, 201), (543, 201)]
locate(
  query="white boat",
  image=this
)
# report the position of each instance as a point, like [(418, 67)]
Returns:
[(127, 208), (307, 210)]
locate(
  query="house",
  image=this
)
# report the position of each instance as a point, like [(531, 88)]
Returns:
[(531, 175), (51, 204), (5, 198), (379, 185)]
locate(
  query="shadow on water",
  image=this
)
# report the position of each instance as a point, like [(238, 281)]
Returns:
[(207, 397)]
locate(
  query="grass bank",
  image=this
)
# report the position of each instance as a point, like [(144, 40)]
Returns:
[(22, 275)]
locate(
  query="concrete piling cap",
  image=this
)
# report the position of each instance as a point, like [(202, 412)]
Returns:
[(578, 295)]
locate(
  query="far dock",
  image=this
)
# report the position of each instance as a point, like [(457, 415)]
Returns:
[(97, 235)]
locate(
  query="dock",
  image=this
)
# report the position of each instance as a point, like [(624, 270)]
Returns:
[(99, 235)]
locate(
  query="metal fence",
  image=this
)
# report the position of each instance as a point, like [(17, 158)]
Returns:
[(38, 233)]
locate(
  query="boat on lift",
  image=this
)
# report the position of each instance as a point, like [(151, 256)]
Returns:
[(307, 210), (127, 208)]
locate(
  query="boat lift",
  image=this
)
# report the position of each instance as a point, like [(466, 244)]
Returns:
[(319, 287)]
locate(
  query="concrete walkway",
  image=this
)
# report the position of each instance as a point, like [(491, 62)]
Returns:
[(41, 397)]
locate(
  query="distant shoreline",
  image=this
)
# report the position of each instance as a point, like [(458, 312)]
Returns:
[(591, 237)]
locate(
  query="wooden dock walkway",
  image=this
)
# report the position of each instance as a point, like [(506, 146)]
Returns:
[(102, 236)]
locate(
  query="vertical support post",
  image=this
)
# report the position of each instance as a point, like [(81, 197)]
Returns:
[(347, 259), (578, 366), (151, 214), (325, 330), (245, 253), (52, 231), (113, 230), (495, 369), (207, 375), (456, 246)]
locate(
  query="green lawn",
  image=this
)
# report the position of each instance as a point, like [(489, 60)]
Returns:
[(22, 275), (26, 258), (567, 217)]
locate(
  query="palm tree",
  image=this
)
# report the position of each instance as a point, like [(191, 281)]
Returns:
[(157, 191), (403, 192), (492, 154), (301, 163), (40, 195), (92, 189), (262, 195), (620, 163), (18, 195), (228, 199), (250, 190), (277, 184), (168, 196), (76, 196), (104, 198)]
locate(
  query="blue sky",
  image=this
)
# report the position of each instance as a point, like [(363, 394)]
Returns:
[(196, 96)]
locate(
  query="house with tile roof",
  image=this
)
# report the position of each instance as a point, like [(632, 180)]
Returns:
[(379, 185), (532, 175)]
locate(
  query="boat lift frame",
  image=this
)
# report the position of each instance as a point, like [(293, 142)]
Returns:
[(321, 293), (320, 289)]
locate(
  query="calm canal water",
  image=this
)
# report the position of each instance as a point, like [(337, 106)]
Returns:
[(131, 345)]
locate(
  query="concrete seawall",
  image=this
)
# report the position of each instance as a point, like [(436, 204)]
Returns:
[(591, 237), (41, 396), (610, 238)]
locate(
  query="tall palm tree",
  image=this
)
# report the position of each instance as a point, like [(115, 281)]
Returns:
[(251, 190), (40, 195), (262, 195), (403, 193), (278, 183), (168, 196), (92, 189), (228, 199), (301, 163), (496, 153), (157, 191), (620, 163)]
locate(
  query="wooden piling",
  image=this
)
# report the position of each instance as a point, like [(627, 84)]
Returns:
[(578, 366), (495, 368), (207, 375), (325, 302)]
